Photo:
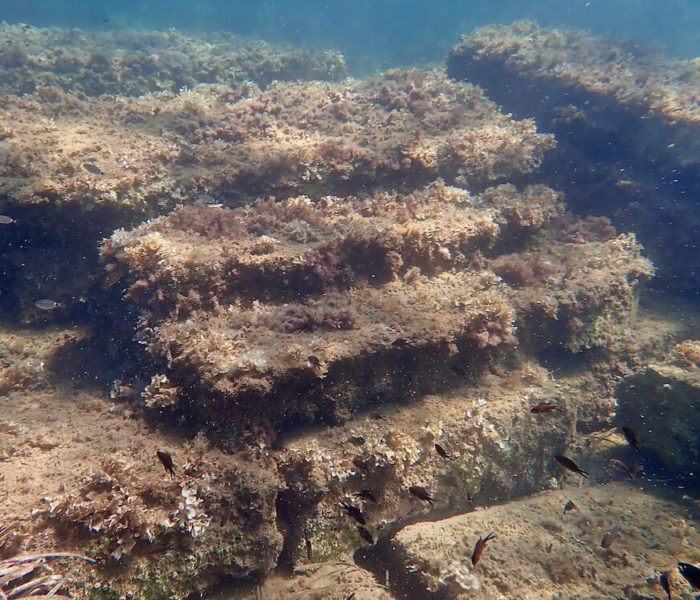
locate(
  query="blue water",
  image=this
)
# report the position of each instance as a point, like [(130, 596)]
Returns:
[(396, 32)]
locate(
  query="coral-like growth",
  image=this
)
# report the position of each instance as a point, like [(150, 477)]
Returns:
[(208, 514)]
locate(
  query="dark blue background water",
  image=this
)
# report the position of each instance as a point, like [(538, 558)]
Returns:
[(395, 31)]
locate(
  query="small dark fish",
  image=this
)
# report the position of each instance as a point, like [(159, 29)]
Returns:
[(400, 343), (357, 440), (544, 407), (359, 464), (377, 416), (187, 150), (630, 436), (365, 534), (612, 536), (691, 574), (441, 451), (665, 584), (47, 304), (93, 168), (460, 371), (421, 493), (167, 461), (5, 220), (569, 506), (631, 470), (206, 198), (314, 361), (354, 512), (309, 549), (351, 596), (567, 463), (366, 494), (479, 547)]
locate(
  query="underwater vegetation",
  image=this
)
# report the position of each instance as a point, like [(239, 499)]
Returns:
[(335, 310)]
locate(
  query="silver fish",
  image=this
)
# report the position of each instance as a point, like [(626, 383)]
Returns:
[(47, 304), (186, 149), (5, 220)]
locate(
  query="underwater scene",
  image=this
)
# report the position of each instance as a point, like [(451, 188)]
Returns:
[(350, 301)]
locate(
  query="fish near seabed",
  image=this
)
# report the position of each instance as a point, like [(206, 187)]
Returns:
[(544, 407), (569, 464), (167, 461), (353, 512), (690, 573), (366, 494), (479, 547), (442, 452), (631, 436), (421, 493), (365, 534), (664, 580), (93, 168), (47, 304), (612, 536)]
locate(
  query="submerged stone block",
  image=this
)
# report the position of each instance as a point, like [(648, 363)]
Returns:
[(300, 311), (627, 124), (661, 402)]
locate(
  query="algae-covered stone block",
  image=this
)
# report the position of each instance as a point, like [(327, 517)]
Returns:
[(662, 404)]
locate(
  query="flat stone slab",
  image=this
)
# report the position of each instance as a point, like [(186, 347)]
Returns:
[(542, 552)]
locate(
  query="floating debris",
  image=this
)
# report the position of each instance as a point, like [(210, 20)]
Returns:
[(5, 220), (47, 304), (421, 493), (167, 461), (479, 547), (630, 436), (442, 452), (544, 407), (612, 536), (93, 168), (569, 464), (690, 573), (569, 506)]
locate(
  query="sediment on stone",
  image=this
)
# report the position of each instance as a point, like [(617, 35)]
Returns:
[(302, 312), (132, 63), (538, 548), (626, 120)]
